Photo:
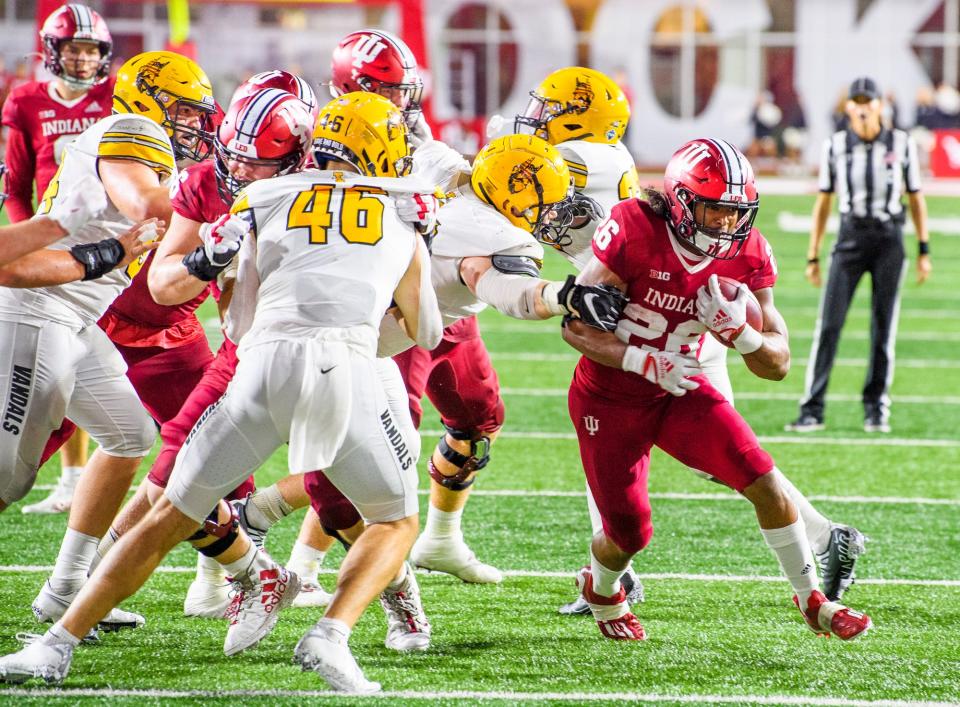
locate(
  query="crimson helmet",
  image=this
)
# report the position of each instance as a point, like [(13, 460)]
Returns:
[(378, 62), (271, 128), (716, 174), (283, 80), (75, 23)]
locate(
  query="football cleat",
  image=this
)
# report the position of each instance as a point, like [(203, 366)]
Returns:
[(631, 585), (256, 534), (255, 610), (452, 556), (49, 607), (838, 561), (59, 500), (333, 661), (805, 423), (826, 617), (612, 614), (207, 600), (407, 626), (38, 659), (312, 594)]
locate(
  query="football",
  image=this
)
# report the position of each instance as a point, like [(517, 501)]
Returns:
[(728, 286)]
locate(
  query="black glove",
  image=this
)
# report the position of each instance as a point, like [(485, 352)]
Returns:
[(98, 258), (599, 306)]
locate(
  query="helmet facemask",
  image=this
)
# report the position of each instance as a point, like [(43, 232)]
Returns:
[(60, 67), (406, 96), (711, 241), (539, 112), (575, 211), (229, 185), (189, 141), (3, 195)]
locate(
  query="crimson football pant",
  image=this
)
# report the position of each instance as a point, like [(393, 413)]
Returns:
[(700, 429), (163, 379)]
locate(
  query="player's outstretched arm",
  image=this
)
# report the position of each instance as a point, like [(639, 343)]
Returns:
[(135, 189), (417, 301), (48, 268), (168, 279), (18, 239)]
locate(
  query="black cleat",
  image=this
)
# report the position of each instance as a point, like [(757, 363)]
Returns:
[(838, 561)]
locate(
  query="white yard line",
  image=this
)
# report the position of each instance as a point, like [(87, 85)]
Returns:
[(858, 362), (471, 695), (507, 696), (567, 574), (839, 398), (804, 438)]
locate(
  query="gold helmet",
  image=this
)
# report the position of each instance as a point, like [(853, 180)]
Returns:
[(576, 104), (522, 177), (172, 91), (367, 131)]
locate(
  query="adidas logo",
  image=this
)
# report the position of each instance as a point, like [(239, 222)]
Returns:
[(93, 108)]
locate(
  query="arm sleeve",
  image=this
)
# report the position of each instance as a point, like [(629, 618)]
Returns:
[(827, 174), (911, 167), (19, 179)]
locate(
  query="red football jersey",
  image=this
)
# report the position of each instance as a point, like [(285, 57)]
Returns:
[(134, 319), (637, 245), (40, 124)]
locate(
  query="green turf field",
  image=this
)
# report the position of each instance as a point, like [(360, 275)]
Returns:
[(721, 624)]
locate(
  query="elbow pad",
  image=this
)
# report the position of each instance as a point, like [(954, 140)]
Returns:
[(98, 258)]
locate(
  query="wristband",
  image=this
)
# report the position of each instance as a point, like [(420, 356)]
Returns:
[(923, 247), (98, 258), (750, 340), (634, 359), (550, 295)]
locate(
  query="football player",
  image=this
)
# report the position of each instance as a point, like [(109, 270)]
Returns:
[(642, 385), (163, 102), (41, 118), (329, 376), (584, 114)]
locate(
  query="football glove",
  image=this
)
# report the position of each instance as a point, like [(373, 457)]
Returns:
[(599, 306), (727, 318), (419, 210), (221, 242), (671, 371)]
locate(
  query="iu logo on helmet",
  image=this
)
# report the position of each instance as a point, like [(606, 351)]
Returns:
[(694, 153), (367, 49)]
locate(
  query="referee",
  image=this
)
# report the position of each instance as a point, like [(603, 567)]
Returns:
[(869, 166)]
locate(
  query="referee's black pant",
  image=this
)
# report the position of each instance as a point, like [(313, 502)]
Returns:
[(864, 246)]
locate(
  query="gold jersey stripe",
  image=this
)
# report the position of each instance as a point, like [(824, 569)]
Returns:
[(576, 165), (117, 135), (579, 174), (158, 160)]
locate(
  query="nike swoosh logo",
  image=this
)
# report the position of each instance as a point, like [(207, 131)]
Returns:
[(588, 302), (327, 370)]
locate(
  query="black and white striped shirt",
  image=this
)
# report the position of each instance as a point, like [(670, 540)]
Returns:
[(870, 177)]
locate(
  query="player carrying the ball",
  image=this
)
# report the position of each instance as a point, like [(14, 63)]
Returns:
[(642, 385)]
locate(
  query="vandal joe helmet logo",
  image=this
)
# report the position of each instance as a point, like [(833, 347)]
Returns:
[(523, 176), (582, 96), (150, 71)]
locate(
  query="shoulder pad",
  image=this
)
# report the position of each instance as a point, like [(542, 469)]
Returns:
[(517, 265), (141, 140)]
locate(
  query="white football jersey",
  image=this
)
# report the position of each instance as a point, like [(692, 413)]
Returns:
[(603, 172), (330, 251), (439, 165), (80, 304)]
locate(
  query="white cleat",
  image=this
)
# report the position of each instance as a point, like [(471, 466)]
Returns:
[(207, 600), (254, 612), (407, 626), (333, 661), (58, 501), (48, 661), (451, 555), (311, 594), (49, 607)]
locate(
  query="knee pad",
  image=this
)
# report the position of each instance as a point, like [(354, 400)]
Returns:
[(225, 534), (468, 464)]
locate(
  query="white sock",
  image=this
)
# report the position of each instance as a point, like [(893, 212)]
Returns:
[(69, 475), (209, 571), (818, 527), (443, 524), (267, 507), (58, 634), (596, 522), (606, 582), (73, 561), (108, 541), (305, 560), (398, 580), (792, 549), (335, 630), (248, 568)]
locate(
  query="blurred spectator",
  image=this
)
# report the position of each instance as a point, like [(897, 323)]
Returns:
[(891, 112), (947, 102), (765, 120), (839, 116), (926, 115), (794, 135)]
